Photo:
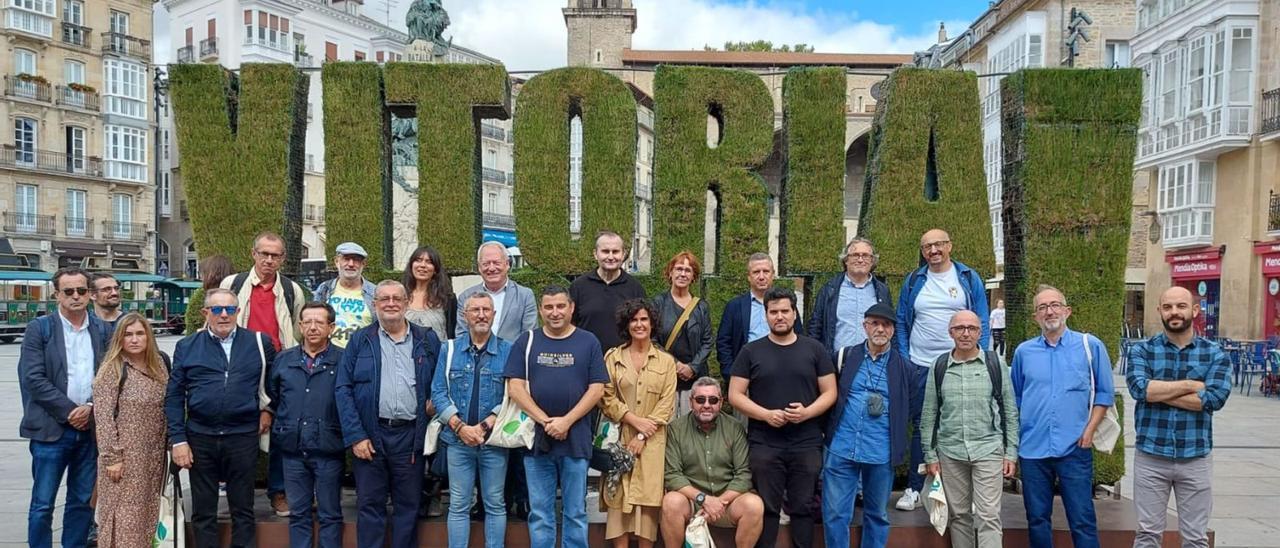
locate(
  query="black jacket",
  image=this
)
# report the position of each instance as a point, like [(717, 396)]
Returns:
[(822, 324), (210, 395), (697, 334)]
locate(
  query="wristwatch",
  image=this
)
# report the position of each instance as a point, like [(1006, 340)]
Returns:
[(641, 436), (701, 498)]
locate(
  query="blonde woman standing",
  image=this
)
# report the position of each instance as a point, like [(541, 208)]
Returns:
[(128, 398), (640, 397)]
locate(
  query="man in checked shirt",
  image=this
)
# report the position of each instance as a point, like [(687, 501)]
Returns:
[(1178, 380)]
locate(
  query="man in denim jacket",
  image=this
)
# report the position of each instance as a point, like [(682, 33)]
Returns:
[(467, 389)]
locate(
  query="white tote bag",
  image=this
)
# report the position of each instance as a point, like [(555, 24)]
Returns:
[(430, 445), (171, 521), (936, 503), (1108, 431), (697, 534), (264, 439), (514, 427)]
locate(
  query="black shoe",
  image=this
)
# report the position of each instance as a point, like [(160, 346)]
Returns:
[(93, 535)]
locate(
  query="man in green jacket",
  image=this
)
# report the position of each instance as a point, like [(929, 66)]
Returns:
[(708, 472)]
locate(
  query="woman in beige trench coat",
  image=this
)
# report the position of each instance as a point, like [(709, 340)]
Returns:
[(640, 397)]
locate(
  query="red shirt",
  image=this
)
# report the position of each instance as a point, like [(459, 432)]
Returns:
[(262, 312)]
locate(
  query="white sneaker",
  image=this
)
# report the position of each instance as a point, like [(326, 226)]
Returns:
[(910, 500), (783, 518)]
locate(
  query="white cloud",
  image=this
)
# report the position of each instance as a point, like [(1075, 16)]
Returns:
[(530, 34)]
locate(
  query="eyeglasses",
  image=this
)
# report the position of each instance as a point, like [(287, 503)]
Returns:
[(69, 291), (229, 310), (706, 400), (1054, 306), (108, 289), (390, 299), (965, 329), (938, 244), (311, 323), (479, 310), (861, 256), (269, 255)]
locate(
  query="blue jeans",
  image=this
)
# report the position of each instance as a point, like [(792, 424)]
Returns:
[(318, 478), (841, 479), (76, 455), (464, 462), (914, 479), (1074, 475), (545, 473), (275, 472)]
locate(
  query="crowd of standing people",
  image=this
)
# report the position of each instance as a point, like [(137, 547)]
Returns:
[(408, 380)]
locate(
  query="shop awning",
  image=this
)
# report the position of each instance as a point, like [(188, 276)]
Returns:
[(79, 249), (126, 251)]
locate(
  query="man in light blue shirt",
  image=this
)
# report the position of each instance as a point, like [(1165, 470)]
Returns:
[(743, 319), (840, 308), (1063, 391)]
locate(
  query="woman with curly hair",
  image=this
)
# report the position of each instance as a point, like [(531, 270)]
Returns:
[(640, 398), (129, 416)]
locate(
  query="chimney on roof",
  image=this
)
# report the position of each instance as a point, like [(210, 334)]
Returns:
[(942, 32)]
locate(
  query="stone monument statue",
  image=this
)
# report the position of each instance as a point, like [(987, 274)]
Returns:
[(426, 20)]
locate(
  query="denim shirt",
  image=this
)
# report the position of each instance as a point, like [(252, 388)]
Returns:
[(452, 395)]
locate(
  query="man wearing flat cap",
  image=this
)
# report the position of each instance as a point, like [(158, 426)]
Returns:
[(350, 295), (866, 433)]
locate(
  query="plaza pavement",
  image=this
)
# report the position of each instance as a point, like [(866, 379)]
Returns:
[(1246, 474)]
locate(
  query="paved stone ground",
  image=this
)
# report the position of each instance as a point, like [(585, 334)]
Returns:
[(1246, 475)]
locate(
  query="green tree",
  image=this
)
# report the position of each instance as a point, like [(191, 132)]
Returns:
[(762, 45)]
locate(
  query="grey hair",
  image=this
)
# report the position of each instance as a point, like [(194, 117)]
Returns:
[(844, 253), (1041, 288), (759, 256), (387, 283), (477, 295), (705, 381), (220, 291), (491, 243)]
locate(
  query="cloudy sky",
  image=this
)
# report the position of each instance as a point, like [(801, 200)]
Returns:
[(530, 34)]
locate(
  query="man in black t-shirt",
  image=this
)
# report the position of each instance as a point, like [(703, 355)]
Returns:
[(784, 383)]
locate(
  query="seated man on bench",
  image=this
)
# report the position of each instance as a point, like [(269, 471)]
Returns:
[(707, 471)]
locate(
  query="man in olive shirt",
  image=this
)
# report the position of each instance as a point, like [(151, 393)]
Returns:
[(707, 471), (969, 430)]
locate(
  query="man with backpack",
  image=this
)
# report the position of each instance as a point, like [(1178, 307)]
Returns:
[(271, 305), (970, 433)]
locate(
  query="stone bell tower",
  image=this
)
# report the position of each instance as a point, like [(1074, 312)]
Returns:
[(598, 31)]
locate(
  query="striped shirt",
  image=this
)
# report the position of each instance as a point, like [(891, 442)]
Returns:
[(1168, 431)]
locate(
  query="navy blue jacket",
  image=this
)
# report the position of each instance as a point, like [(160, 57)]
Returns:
[(42, 374), (731, 335), (360, 383), (822, 324), (207, 394), (975, 298), (302, 400), (901, 384)]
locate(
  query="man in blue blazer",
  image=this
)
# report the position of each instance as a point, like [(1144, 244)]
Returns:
[(866, 431), (383, 395), (743, 318), (215, 416), (60, 355)]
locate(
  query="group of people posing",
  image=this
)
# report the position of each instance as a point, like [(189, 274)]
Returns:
[(366, 369)]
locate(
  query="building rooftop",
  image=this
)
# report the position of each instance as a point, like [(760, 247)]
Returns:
[(763, 58)]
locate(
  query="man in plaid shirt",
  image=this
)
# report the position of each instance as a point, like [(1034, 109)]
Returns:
[(1178, 380)]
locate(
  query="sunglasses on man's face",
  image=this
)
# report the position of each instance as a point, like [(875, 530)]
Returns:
[(220, 310), (69, 291), (706, 400)]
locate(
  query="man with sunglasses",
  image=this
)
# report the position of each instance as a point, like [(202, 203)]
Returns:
[(843, 302), (271, 305), (866, 433), (213, 413), (60, 353), (708, 471), (930, 296), (106, 298)]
